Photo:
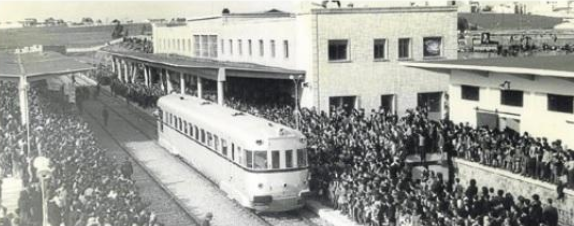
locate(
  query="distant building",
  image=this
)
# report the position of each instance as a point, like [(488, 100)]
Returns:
[(525, 94), (29, 22), (10, 24), (350, 55)]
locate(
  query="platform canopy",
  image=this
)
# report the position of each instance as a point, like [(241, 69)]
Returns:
[(549, 66), (38, 65), (204, 66)]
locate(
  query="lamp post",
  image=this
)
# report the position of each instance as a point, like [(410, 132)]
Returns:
[(43, 171), (296, 111)]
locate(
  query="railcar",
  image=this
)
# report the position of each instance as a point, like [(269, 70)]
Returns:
[(260, 164)]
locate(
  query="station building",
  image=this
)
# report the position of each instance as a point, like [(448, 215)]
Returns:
[(524, 94), (347, 56)]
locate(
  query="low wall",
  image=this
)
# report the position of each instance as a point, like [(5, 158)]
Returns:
[(517, 185)]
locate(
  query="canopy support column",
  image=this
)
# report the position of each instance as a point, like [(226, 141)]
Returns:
[(146, 75), (181, 83), (169, 85), (126, 71), (199, 88), (220, 84)]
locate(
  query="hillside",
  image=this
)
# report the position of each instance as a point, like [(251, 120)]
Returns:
[(66, 36)]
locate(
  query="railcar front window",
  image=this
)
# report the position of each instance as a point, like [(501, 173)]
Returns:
[(275, 159), (301, 158), (249, 158), (260, 160), (289, 159)]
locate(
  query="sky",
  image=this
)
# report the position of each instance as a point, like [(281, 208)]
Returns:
[(141, 10), (136, 10)]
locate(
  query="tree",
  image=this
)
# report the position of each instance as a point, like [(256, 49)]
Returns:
[(462, 24), (118, 30)]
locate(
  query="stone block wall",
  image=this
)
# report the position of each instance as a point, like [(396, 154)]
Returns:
[(517, 185)]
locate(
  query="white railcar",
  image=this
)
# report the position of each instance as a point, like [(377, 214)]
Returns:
[(260, 164)]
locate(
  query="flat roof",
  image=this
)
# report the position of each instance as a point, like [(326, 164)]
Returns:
[(179, 61), (244, 125), (38, 64), (394, 9), (553, 66)]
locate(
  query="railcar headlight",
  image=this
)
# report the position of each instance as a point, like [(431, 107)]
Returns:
[(260, 185)]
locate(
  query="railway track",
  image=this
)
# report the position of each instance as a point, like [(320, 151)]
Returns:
[(170, 211), (301, 217)]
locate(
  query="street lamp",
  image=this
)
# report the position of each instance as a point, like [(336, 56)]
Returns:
[(43, 171), (296, 111)]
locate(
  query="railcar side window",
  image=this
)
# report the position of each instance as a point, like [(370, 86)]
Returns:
[(179, 122), (260, 160), (175, 122), (289, 159), (185, 126), (301, 158), (233, 151), (223, 147), (209, 139), (161, 118), (202, 136), (249, 158), (190, 129), (275, 159), (216, 142), (196, 133)]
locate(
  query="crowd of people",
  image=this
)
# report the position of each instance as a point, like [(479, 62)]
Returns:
[(358, 164), (86, 187), (137, 44), (141, 94)]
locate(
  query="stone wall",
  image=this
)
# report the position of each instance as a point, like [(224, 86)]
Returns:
[(517, 185)]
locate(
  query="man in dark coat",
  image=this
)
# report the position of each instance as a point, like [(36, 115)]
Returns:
[(127, 169), (550, 214)]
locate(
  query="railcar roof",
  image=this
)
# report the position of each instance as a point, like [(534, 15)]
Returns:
[(224, 119)]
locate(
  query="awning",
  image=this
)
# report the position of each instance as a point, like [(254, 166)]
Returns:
[(38, 65), (178, 62)]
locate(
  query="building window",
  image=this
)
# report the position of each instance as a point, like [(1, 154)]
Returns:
[(432, 46), (338, 50), (250, 47), (196, 45), (560, 103), (404, 48), (470, 93), (222, 46), (380, 49), (261, 48), (212, 45), (230, 47), (511, 97), (286, 48), (239, 47), (204, 46), (272, 45)]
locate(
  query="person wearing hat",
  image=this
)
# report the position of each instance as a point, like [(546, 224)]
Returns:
[(207, 220)]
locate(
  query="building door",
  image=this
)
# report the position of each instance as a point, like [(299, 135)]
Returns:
[(511, 124), (431, 101), (489, 120), (346, 102), (388, 102)]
